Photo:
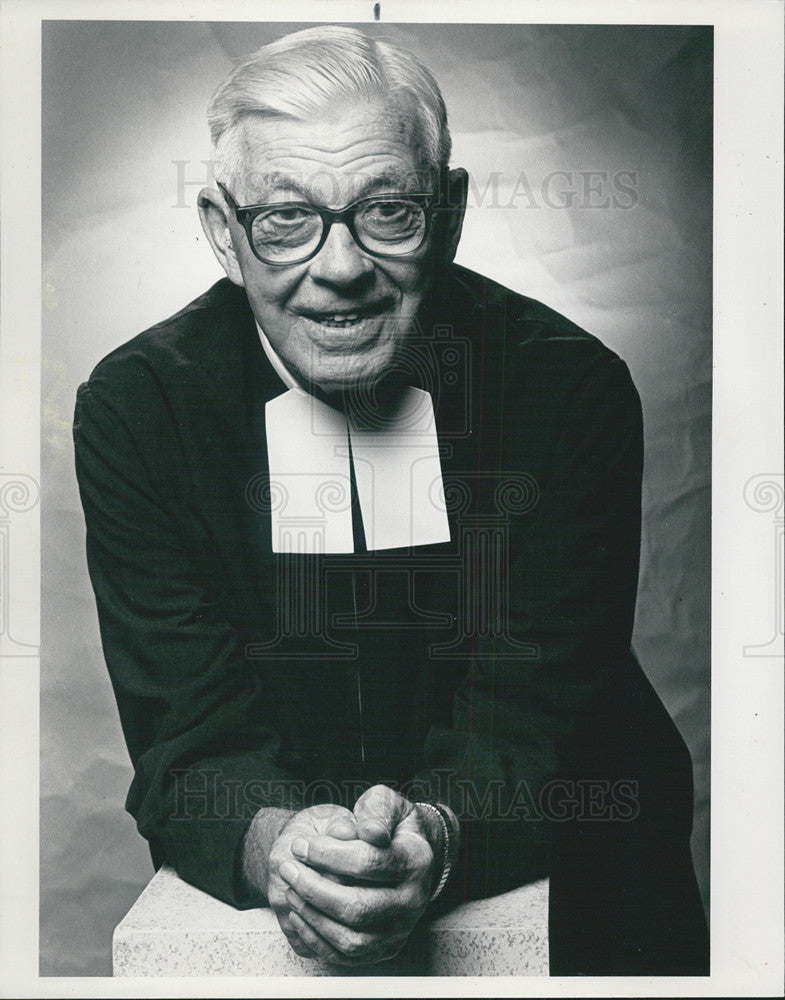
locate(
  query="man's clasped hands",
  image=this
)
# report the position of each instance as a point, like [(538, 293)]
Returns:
[(346, 886)]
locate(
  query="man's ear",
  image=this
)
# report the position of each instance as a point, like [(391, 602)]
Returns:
[(454, 211), (213, 214)]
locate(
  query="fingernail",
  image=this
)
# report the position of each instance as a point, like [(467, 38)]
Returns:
[(288, 871), (300, 848), (374, 828)]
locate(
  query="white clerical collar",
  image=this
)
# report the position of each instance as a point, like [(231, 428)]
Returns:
[(280, 368), (396, 464)]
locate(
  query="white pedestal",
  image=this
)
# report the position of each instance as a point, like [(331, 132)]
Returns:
[(174, 929)]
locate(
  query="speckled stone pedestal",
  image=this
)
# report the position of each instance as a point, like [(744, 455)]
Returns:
[(174, 929)]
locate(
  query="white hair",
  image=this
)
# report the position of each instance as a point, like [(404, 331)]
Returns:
[(314, 70)]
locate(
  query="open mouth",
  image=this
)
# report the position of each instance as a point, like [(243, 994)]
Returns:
[(341, 319)]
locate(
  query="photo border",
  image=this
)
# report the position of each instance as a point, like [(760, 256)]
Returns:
[(747, 689)]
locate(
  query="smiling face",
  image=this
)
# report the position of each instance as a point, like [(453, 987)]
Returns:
[(340, 318)]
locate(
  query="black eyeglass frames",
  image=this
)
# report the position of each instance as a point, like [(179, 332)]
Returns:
[(292, 232)]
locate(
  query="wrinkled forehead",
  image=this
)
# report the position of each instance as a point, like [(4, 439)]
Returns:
[(332, 158)]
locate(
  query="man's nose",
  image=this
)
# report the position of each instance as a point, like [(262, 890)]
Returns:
[(340, 261)]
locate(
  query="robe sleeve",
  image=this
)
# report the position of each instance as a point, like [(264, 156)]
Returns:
[(510, 761), (192, 713)]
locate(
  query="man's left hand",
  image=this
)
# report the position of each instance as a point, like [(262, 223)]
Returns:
[(389, 875)]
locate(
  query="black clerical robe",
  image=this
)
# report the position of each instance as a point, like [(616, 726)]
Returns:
[(492, 672)]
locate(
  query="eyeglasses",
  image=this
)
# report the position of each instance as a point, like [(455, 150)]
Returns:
[(291, 232)]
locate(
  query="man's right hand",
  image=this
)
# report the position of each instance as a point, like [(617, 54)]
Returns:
[(268, 845)]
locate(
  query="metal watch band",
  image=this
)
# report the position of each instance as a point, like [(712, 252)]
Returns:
[(449, 847)]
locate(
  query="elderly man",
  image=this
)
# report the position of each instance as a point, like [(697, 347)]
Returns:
[(363, 529)]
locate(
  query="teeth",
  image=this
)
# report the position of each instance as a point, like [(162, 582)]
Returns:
[(341, 320)]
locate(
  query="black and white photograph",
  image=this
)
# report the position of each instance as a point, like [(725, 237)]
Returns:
[(384, 407)]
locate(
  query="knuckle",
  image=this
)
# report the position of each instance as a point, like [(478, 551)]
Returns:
[(376, 868), (418, 861), (343, 942), (304, 889), (355, 912), (361, 911), (321, 949), (423, 872), (416, 849), (421, 898), (420, 889), (342, 813), (299, 947), (367, 856), (354, 945), (377, 799), (371, 793), (411, 902)]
